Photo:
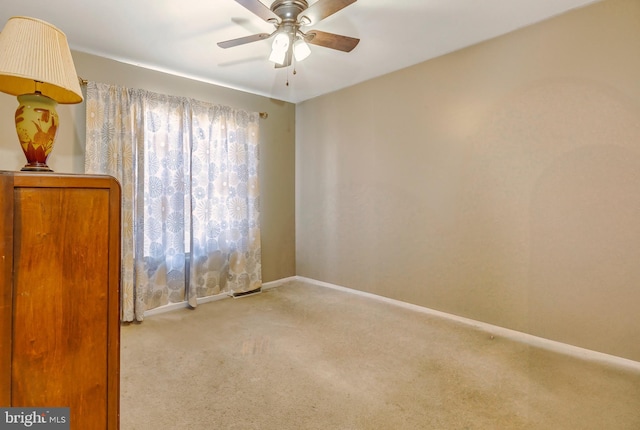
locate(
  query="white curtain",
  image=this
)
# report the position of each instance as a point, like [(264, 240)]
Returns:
[(189, 175)]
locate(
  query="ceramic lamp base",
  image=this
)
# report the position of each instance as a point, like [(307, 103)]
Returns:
[(36, 168), (36, 125)]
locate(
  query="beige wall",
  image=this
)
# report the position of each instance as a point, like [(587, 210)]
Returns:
[(500, 182), (277, 145)]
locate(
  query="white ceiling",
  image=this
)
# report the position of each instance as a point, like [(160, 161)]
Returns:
[(180, 36)]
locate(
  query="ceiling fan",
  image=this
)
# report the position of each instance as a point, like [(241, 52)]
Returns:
[(289, 16)]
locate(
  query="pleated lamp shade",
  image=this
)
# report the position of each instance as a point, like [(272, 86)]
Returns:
[(35, 56)]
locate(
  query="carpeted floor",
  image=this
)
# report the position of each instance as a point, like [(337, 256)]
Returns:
[(301, 357)]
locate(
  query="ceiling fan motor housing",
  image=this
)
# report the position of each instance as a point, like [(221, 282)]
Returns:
[(288, 10)]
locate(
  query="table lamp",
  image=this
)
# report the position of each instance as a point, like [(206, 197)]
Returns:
[(36, 65)]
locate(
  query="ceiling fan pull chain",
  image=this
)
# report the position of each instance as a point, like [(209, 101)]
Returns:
[(293, 63)]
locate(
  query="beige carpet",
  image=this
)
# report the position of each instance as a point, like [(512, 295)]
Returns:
[(301, 356)]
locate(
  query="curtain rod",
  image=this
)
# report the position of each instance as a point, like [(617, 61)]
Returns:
[(263, 115)]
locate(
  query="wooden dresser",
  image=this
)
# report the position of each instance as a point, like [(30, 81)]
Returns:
[(60, 295)]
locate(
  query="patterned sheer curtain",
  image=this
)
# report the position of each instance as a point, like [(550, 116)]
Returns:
[(189, 174)]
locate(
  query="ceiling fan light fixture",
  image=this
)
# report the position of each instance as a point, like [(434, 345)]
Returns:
[(279, 48), (277, 57), (301, 50)]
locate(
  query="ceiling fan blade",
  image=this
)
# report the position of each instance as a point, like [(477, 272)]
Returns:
[(330, 40), (259, 9), (242, 40), (323, 8)]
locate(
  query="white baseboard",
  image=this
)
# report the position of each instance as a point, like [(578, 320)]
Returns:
[(175, 306), (551, 345), (279, 282)]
